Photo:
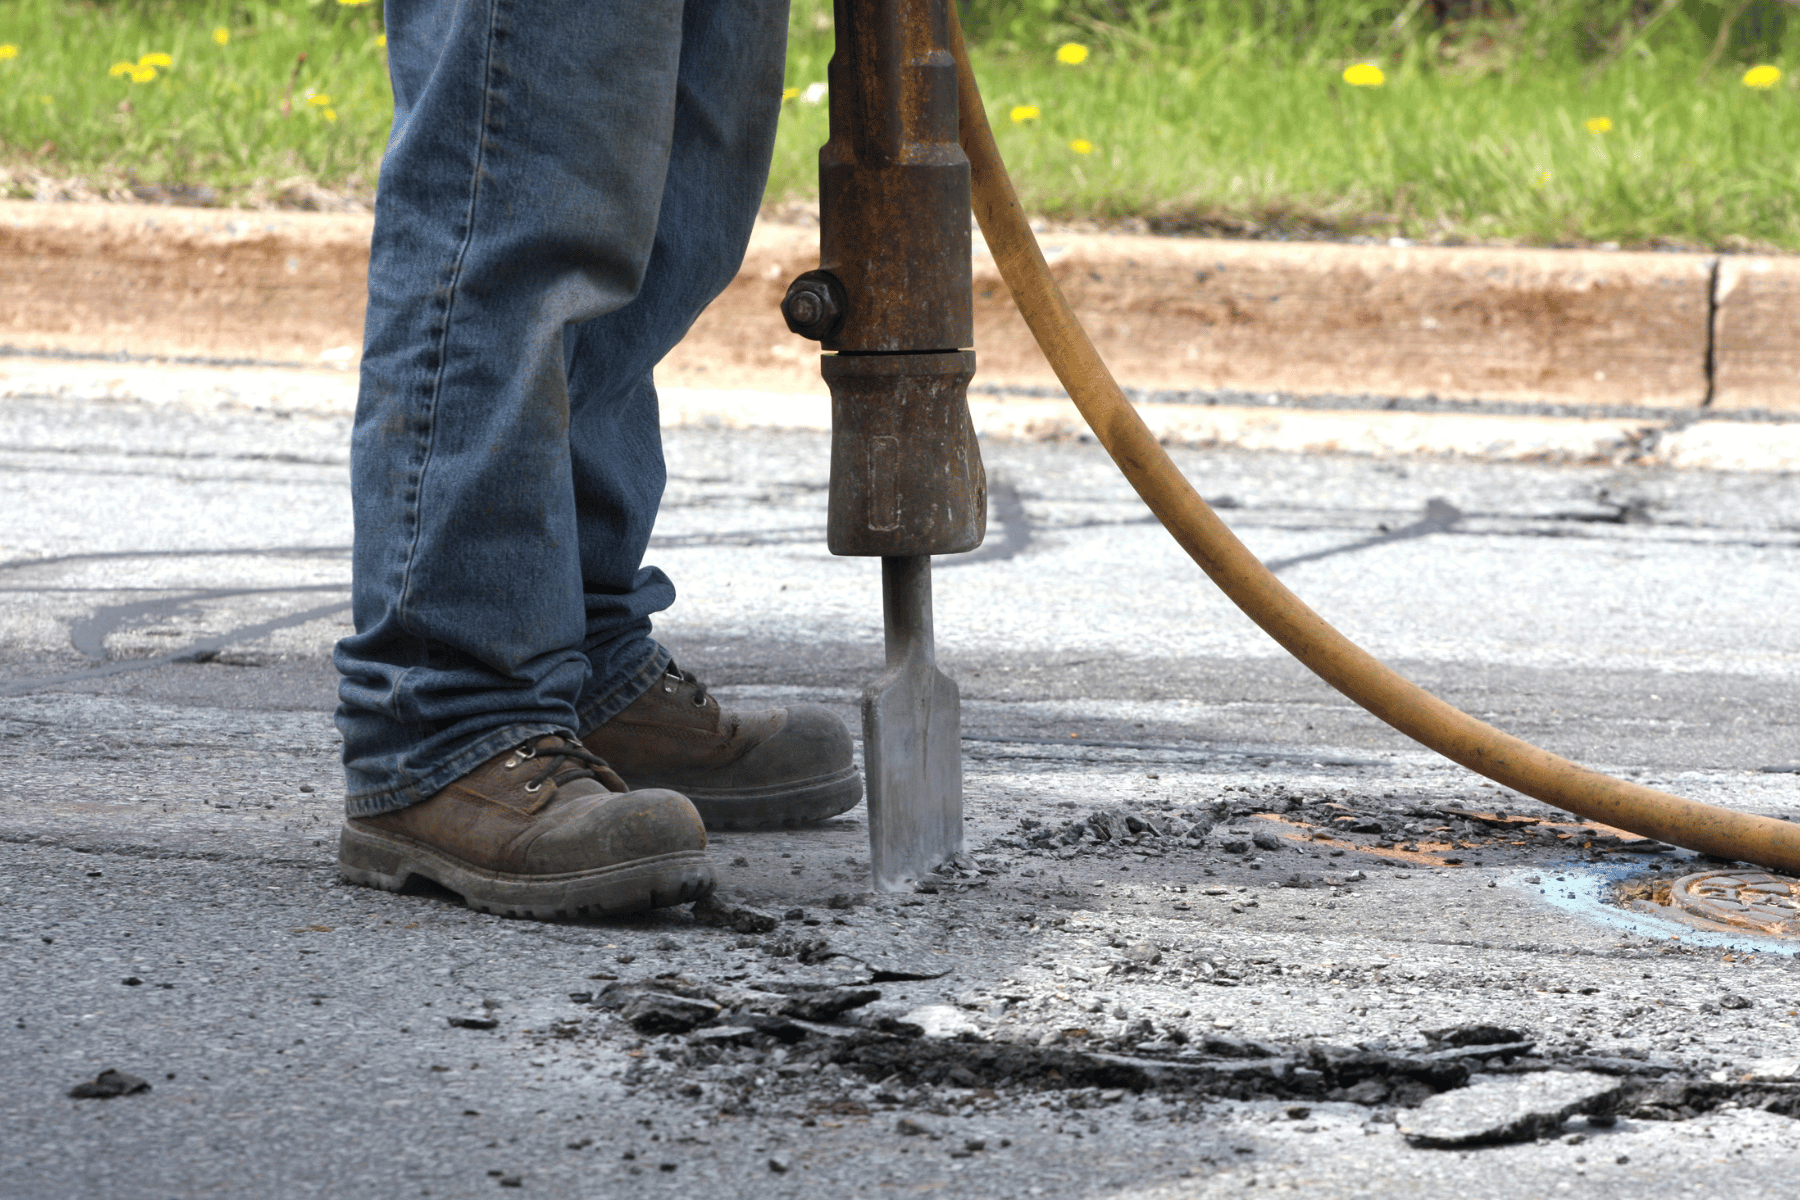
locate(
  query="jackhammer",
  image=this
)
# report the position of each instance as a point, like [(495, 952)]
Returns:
[(909, 145)]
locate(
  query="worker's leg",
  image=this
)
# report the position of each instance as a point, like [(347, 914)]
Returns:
[(520, 195), (727, 104), (774, 767)]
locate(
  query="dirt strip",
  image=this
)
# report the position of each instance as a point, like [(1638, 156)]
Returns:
[(1573, 329)]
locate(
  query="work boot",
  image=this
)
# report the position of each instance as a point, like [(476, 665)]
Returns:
[(762, 769), (544, 830)]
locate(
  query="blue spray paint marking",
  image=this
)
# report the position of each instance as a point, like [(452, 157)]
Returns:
[(1585, 889)]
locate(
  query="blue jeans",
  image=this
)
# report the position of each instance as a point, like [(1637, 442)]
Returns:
[(568, 184)]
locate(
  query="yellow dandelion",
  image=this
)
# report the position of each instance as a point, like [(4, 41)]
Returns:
[(381, 41), (1082, 146), (47, 100), (9, 51), (1022, 113), (121, 68), (1364, 75), (157, 59), (1763, 77), (142, 74), (221, 35), (353, 3), (319, 100), (1599, 124), (331, 116), (1071, 54), (788, 94)]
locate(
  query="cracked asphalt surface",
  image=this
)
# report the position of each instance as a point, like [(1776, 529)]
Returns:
[(1217, 931)]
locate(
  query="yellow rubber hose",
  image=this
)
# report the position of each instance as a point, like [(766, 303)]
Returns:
[(1267, 601)]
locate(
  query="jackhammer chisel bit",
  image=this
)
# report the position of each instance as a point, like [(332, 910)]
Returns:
[(892, 299)]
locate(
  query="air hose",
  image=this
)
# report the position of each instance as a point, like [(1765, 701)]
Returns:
[(1337, 660)]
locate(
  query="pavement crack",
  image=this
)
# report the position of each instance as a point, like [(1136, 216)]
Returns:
[(78, 845), (1441, 516), (204, 650), (89, 634)]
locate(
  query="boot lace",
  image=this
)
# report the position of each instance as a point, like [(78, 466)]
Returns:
[(689, 677), (565, 761)]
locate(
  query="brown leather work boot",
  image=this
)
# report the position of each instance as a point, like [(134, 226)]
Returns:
[(754, 769), (544, 830)]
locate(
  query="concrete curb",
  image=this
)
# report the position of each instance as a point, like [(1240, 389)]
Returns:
[(1568, 329), (111, 279), (228, 304)]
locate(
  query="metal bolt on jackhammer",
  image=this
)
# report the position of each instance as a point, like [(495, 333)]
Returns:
[(814, 305)]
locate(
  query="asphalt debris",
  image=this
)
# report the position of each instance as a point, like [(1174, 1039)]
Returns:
[(715, 909), (1475, 1035), (474, 1022), (107, 1084), (1492, 1111), (665, 1012)]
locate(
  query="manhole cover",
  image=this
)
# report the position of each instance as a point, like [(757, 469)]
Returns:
[(1741, 899)]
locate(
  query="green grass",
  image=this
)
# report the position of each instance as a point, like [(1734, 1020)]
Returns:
[(1202, 120), (244, 118), (1222, 116)]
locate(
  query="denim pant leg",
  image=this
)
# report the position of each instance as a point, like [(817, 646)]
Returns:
[(520, 205), (732, 60)]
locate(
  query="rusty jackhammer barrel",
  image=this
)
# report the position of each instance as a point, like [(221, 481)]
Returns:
[(892, 301)]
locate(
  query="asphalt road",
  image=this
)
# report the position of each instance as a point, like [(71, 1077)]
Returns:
[(174, 580)]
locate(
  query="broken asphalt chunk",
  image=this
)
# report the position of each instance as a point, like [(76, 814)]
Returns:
[(1775, 1070), (824, 1004), (1606, 1064), (1229, 1047), (665, 1012), (953, 1063), (805, 949), (474, 1022), (1143, 954), (890, 959), (1502, 1050), (889, 1018), (894, 972), (718, 910), (942, 1021), (1475, 1035), (1515, 1108), (1109, 826), (1491, 820), (107, 1084), (621, 992), (723, 1035), (1373, 1077)]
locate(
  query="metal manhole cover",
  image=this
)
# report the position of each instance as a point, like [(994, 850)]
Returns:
[(1744, 899)]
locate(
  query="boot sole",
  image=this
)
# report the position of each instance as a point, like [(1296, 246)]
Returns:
[(780, 806), (393, 863)]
